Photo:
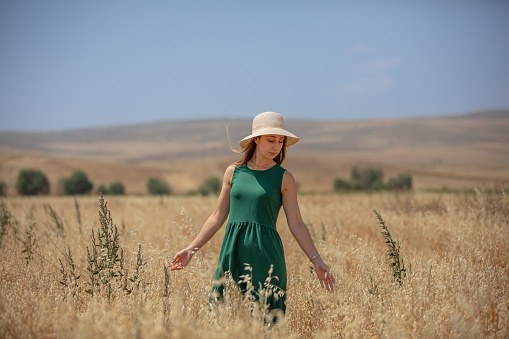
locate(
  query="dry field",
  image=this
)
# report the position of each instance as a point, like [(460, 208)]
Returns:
[(455, 248)]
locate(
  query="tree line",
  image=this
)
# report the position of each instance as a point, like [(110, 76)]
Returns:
[(371, 179), (34, 182)]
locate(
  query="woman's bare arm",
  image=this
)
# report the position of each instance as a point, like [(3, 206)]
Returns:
[(300, 231), (210, 227)]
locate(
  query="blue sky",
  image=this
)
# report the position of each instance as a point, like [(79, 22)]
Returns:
[(72, 64)]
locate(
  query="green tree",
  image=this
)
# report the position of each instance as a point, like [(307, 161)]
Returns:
[(372, 178), (77, 183), (158, 187), (103, 189), (341, 184), (367, 179), (355, 174), (32, 182), (401, 182), (211, 185), (117, 188), (377, 186)]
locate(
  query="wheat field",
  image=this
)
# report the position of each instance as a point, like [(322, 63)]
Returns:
[(455, 248)]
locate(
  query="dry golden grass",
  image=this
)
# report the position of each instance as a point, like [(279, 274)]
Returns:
[(457, 246)]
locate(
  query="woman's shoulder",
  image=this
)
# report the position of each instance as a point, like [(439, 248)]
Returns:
[(287, 175), (288, 180), (288, 184), (230, 171)]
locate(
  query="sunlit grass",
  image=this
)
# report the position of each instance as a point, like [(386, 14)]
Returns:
[(457, 245)]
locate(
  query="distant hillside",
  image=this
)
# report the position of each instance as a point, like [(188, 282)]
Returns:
[(493, 114), (457, 152), (176, 140)]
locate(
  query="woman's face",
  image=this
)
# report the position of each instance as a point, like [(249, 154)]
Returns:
[(269, 146)]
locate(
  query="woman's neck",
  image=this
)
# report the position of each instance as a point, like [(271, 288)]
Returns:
[(260, 163)]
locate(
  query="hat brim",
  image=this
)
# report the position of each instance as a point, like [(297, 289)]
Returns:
[(291, 138)]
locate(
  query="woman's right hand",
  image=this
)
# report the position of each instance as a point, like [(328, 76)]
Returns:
[(324, 274), (181, 259)]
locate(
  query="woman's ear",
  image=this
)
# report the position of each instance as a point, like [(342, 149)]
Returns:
[(256, 140)]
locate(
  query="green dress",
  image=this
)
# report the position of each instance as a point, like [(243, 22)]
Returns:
[(251, 236)]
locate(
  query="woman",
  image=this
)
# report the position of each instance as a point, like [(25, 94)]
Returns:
[(253, 191)]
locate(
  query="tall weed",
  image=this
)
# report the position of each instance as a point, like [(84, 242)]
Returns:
[(393, 252), (7, 221)]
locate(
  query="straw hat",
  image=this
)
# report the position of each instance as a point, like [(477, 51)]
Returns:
[(269, 123)]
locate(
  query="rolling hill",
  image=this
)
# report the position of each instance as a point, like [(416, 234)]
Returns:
[(455, 151)]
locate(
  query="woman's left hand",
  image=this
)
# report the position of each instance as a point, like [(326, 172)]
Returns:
[(324, 274)]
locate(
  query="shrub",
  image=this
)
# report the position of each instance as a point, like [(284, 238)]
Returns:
[(355, 174), (342, 184), (357, 185), (402, 181), (210, 185), (377, 186), (3, 189), (158, 187), (102, 189), (77, 183), (117, 188), (32, 182), (369, 178)]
